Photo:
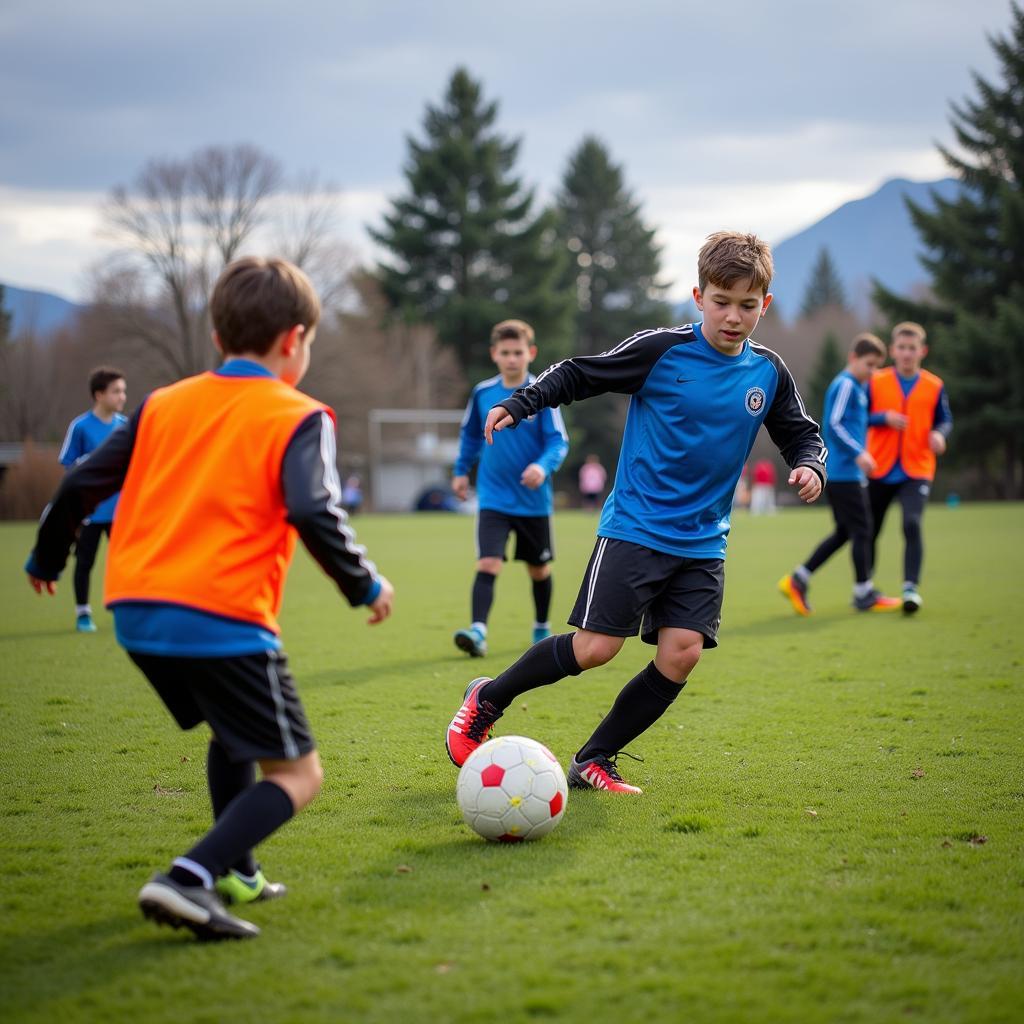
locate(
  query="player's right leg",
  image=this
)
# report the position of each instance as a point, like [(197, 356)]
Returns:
[(913, 498), (86, 546), (492, 530)]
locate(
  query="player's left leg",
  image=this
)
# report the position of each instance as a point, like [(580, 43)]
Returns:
[(913, 496), (682, 620), (245, 882), (640, 703)]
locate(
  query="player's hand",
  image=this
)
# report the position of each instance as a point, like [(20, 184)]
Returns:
[(533, 476), (460, 487), (896, 420), (865, 462), (808, 481), (381, 608), (42, 586), (937, 442), (497, 419)]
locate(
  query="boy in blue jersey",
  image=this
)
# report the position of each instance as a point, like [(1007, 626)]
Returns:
[(513, 485), (699, 395), (86, 433), (845, 428)]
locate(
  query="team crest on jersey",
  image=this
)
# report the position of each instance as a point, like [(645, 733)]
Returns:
[(754, 401)]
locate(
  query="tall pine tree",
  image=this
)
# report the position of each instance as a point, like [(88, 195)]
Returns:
[(613, 267), (975, 257), (464, 248), (825, 288)]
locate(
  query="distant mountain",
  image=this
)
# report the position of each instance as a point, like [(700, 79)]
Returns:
[(867, 238), (40, 312)]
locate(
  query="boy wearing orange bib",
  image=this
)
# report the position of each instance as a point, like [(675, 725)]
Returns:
[(220, 475), (908, 426)]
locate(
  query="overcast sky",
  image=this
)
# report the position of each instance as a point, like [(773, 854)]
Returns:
[(763, 117)]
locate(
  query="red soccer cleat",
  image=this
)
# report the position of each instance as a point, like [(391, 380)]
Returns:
[(471, 725), (599, 773)]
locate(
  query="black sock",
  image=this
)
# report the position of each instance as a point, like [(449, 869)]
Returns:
[(640, 703), (483, 595), (244, 824), (547, 662), (226, 781), (542, 598)]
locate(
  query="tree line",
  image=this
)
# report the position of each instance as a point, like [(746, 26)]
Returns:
[(467, 243)]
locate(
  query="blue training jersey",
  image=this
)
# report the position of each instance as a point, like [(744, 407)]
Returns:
[(542, 439), (845, 427), (692, 420), (85, 434)]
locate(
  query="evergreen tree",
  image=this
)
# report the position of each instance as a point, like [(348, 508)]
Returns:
[(464, 249), (824, 289), (975, 257), (5, 316), (829, 362), (612, 270)]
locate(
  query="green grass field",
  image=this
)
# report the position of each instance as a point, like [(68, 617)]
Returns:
[(832, 829)]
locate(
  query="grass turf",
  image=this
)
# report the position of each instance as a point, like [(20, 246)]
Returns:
[(831, 829)]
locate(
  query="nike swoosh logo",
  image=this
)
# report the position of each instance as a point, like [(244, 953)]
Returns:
[(685, 380)]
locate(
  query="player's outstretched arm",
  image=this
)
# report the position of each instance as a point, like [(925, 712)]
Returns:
[(312, 495)]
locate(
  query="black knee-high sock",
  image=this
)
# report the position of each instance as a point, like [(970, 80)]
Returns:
[(547, 662), (248, 820), (226, 781), (640, 703), (483, 595), (542, 598)]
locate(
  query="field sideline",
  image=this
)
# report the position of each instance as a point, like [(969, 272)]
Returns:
[(832, 829)]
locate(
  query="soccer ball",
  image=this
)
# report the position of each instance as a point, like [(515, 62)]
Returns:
[(510, 789)]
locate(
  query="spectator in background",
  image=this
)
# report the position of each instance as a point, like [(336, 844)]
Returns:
[(593, 477), (762, 494)]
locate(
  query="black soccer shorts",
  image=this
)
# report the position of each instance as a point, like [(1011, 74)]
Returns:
[(249, 701), (630, 589), (533, 537)]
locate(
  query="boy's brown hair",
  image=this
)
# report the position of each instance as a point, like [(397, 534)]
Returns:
[(102, 377), (909, 327), (867, 344), (731, 257), (520, 330), (256, 299)]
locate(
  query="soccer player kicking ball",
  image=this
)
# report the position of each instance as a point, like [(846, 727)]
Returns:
[(219, 475), (699, 395), (845, 428), (513, 485)]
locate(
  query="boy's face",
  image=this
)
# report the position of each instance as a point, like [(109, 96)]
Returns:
[(513, 356), (112, 399), (863, 366), (907, 351), (730, 314)]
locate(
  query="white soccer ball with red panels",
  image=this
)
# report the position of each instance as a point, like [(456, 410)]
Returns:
[(510, 789)]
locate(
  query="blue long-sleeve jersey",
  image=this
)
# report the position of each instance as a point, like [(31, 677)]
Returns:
[(845, 427), (542, 440), (692, 420), (85, 434)]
